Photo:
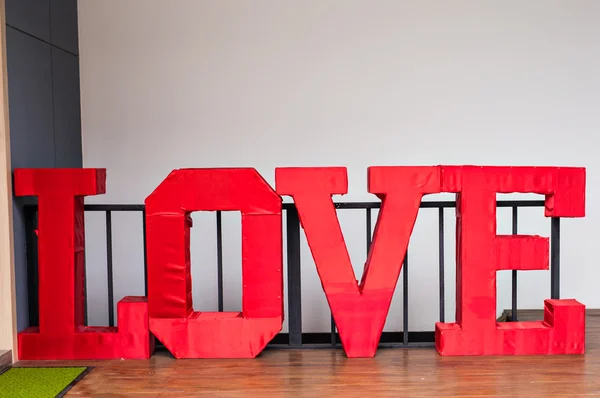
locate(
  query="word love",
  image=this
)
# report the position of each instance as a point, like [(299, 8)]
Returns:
[(359, 309)]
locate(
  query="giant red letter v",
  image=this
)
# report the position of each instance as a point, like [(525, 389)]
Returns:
[(359, 310)]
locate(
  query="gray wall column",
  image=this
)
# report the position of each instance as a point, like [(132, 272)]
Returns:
[(44, 104)]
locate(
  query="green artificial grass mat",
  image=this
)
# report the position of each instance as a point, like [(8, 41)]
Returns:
[(39, 382)]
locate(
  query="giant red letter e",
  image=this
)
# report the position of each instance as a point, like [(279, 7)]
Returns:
[(359, 310), (480, 253), (189, 334)]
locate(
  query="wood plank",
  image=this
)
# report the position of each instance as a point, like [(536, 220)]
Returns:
[(8, 321), (537, 315), (5, 359), (320, 373)]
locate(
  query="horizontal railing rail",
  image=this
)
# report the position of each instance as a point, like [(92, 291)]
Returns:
[(296, 338)]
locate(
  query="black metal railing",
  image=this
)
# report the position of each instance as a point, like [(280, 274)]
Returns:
[(296, 338)]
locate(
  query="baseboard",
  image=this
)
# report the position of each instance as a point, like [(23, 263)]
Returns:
[(5, 359), (536, 315)]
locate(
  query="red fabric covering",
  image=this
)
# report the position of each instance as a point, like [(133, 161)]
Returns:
[(359, 309), (480, 253), (61, 333), (561, 332), (189, 334), (131, 340)]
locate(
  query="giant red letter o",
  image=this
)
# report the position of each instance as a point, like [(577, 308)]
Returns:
[(189, 334)]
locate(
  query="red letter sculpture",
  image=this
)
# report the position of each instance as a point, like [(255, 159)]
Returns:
[(359, 310), (189, 334), (480, 253), (62, 333)]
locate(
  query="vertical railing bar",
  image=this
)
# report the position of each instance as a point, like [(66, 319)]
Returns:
[(333, 331), (145, 253), (31, 250), (109, 269), (369, 234), (85, 278), (85, 295), (441, 265), (515, 221), (294, 278), (220, 261), (555, 258), (405, 299)]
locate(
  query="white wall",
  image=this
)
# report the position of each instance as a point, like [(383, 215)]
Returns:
[(267, 83)]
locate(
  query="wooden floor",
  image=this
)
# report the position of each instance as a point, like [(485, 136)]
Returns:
[(321, 373)]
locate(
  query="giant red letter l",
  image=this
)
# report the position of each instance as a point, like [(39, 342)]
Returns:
[(62, 333)]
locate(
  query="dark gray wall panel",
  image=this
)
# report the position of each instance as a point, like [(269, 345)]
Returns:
[(31, 133), (63, 24), (31, 16), (67, 109), (44, 105), (30, 100)]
